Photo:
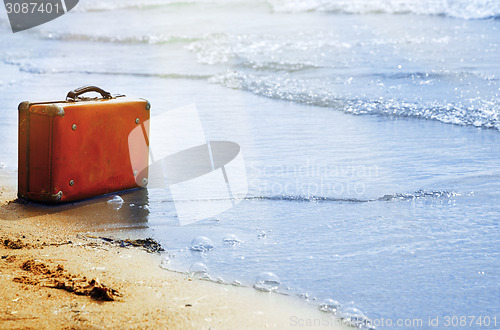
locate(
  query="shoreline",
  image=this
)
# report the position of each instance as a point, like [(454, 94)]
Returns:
[(57, 278)]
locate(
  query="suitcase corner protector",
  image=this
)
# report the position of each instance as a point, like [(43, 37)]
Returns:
[(24, 106), (148, 105), (44, 197)]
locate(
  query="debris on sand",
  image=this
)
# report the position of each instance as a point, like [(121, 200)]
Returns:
[(94, 289), (59, 278), (149, 244), (10, 259), (14, 245), (38, 268)]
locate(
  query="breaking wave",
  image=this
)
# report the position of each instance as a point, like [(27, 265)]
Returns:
[(466, 9), (97, 6), (479, 112), (133, 39), (419, 194)]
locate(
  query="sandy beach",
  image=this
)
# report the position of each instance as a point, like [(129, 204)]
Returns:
[(368, 164), (53, 278)]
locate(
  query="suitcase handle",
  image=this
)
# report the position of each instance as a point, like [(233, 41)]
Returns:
[(74, 94)]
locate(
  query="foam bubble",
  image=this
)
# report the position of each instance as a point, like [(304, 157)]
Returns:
[(353, 316), (267, 282), (198, 269), (232, 240), (165, 262), (202, 244), (262, 234), (116, 202), (329, 306)]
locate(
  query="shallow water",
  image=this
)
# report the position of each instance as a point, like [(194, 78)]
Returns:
[(369, 133)]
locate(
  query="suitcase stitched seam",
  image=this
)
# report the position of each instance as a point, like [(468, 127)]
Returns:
[(50, 154), (28, 128)]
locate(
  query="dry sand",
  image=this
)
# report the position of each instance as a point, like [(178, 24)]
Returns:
[(53, 277)]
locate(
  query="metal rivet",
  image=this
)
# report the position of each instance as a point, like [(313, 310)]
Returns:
[(148, 106), (137, 120), (144, 181), (73, 127), (71, 182), (135, 172)]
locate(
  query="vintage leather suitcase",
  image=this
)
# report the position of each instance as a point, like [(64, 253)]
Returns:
[(82, 147)]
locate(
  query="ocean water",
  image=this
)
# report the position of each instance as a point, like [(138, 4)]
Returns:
[(369, 132)]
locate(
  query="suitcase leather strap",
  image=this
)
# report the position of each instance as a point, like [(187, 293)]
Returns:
[(74, 94)]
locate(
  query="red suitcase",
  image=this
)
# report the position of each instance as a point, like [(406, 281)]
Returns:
[(82, 147)]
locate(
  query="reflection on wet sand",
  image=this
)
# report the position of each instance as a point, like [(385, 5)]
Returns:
[(132, 211)]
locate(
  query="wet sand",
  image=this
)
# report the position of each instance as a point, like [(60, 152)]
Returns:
[(54, 277)]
